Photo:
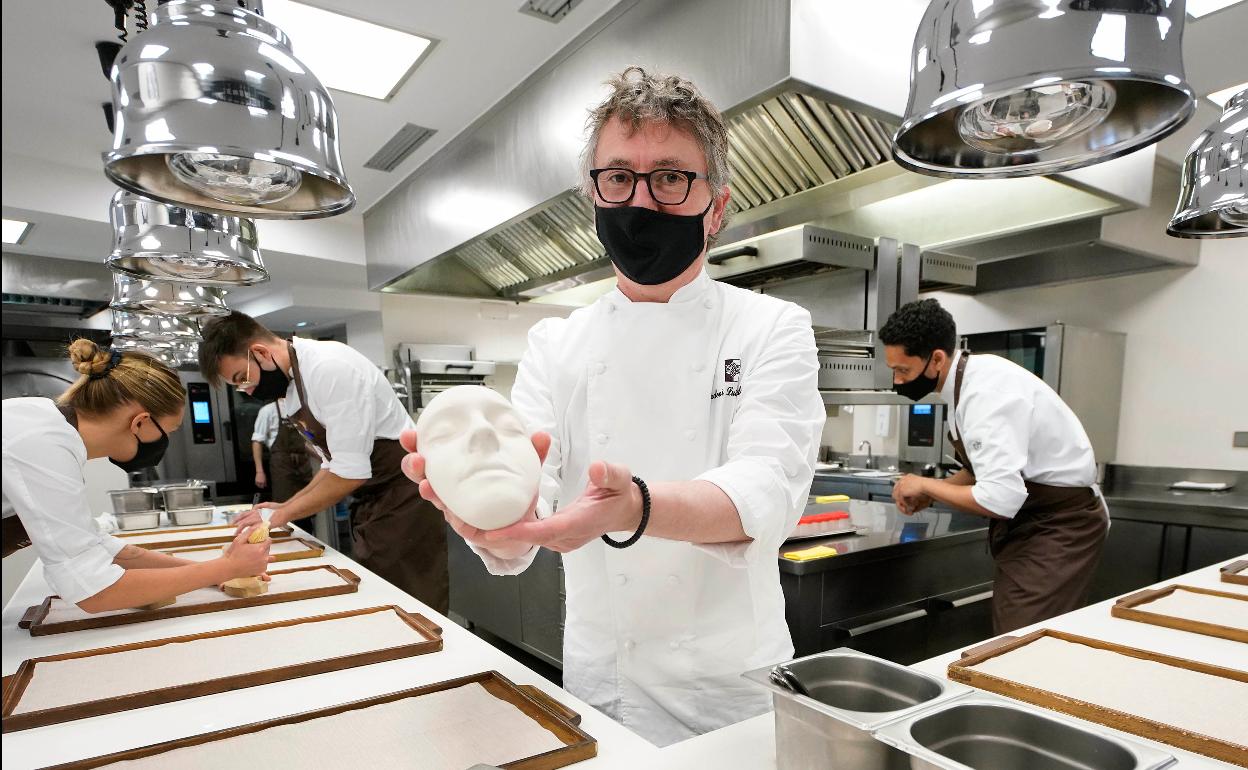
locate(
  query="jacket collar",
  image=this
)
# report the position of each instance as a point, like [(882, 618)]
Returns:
[(693, 291)]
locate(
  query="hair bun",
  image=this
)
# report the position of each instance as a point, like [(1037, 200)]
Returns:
[(87, 357)]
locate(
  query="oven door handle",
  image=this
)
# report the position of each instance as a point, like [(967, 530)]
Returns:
[(876, 625)]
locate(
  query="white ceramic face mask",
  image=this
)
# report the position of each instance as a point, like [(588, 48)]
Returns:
[(479, 457)]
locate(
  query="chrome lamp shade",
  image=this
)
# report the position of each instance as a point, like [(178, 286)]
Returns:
[(213, 111), (190, 300), (154, 328), (1005, 88), (166, 242), (1213, 197)]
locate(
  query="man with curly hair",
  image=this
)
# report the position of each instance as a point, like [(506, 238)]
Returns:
[(679, 419), (1027, 466)]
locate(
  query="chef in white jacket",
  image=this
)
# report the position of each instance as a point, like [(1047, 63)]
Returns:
[(679, 418)]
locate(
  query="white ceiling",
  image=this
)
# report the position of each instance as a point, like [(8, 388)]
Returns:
[(54, 129)]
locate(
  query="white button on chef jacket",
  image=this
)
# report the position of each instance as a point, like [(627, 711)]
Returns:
[(756, 416)]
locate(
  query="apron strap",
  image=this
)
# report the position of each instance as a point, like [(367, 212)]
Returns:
[(957, 389), (294, 367)]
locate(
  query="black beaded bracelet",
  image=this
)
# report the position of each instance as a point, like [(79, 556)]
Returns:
[(645, 518)]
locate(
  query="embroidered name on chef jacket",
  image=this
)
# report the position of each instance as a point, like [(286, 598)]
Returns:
[(732, 375)]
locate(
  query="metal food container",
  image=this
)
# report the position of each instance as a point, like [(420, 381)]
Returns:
[(985, 731), (136, 500), (184, 516), (189, 495), (850, 694), (138, 519)]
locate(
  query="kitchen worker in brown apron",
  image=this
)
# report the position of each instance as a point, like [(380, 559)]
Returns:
[(289, 466), (349, 415), (1027, 466)]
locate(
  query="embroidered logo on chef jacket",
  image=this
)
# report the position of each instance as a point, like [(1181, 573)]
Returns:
[(977, 445), (732, 376)]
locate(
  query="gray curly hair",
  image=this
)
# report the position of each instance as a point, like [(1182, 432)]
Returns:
[(639, 97)]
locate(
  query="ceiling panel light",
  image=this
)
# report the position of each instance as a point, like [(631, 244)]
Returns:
[(1220, 98), (1198, 8), (1058, 85), (15, 230), (213, 111), (348, 54)]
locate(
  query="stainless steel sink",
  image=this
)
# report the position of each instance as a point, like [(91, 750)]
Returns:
[(986, 733), (848, 695)]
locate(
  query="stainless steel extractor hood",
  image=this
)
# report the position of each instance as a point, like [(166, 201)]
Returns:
[(493, 214), (1081, 250)]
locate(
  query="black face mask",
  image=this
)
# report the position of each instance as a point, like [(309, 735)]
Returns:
[(272, 385), (920, 386), (650, 247), (147, 455)]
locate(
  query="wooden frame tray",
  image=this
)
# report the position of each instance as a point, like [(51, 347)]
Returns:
[(15, 685), (35, 617), (184, 536), (1235, 572), (310, 550), (1133, 607), (537, 705), (962, 671)]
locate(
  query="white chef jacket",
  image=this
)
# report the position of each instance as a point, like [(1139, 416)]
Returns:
[(718, 384), (350, 396), (267, 423), (1015, 428), (43, 485)]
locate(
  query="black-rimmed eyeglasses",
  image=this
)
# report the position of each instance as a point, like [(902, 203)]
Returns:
[(669, 186)]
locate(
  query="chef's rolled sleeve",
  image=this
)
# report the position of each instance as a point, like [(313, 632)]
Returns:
[(350, 425), (997, 447), (531, 396), (773, 442)]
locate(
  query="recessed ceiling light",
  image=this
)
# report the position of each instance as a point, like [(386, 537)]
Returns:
[(1221, 97), (345, 53), (15, 230), (301, 324), (1195, 8)]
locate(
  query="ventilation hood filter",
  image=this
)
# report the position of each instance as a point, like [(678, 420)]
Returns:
[(158, 328), (213, 111), (162, 241), (1213, 199), (1019, 87), (180, 299)]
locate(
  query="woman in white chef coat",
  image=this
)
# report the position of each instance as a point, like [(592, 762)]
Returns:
[(1027, 466), (678, 413), (123, 407)]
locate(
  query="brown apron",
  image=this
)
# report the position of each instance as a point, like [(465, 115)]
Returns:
[(13, 535), (290, 469), (397, 533), (1046, 556)]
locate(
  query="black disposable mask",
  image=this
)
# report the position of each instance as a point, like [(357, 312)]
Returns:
[(271, 385), (148, 454), (920, 386), (650, 247)]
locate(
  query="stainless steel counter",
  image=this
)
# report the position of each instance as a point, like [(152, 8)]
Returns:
[(886, 528)]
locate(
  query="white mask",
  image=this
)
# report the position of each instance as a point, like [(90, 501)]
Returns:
[(479, 457)]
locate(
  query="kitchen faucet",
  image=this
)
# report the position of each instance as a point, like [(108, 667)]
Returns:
[(870, 454)]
